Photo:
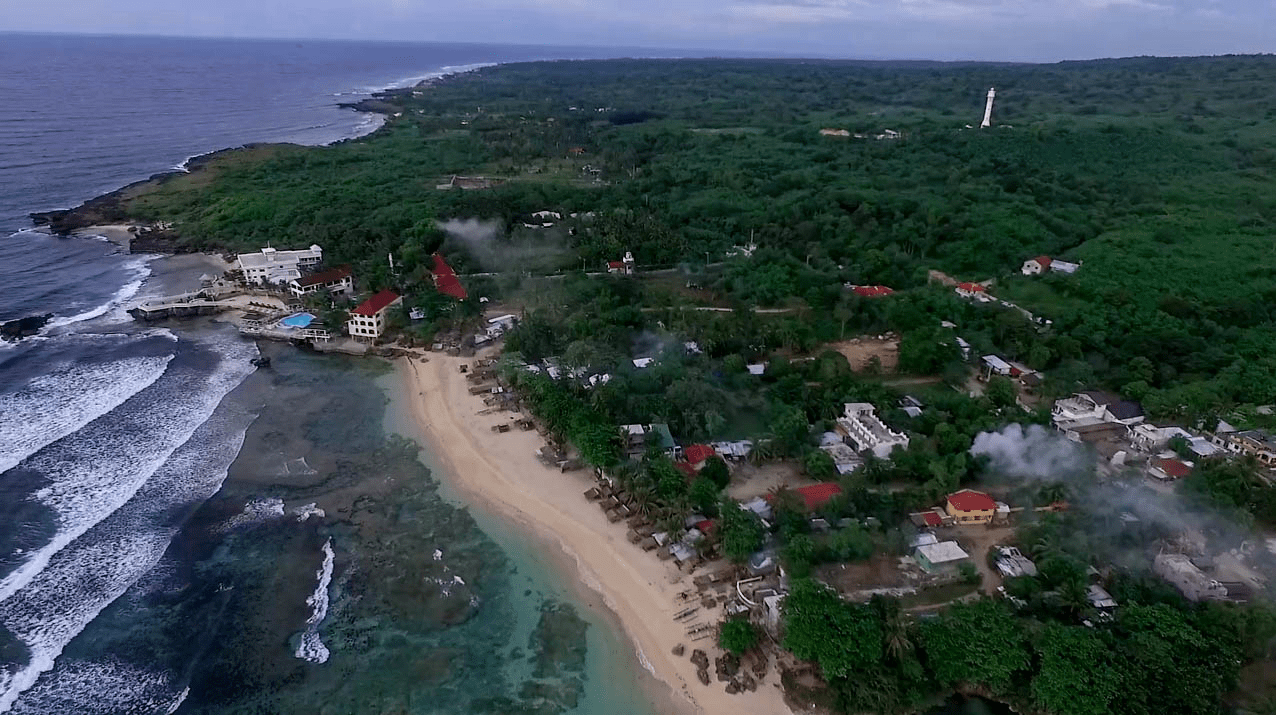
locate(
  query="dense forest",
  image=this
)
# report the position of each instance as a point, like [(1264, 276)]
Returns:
[(1155, 175)]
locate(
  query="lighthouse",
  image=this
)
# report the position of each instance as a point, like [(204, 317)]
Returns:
[(992, 92)]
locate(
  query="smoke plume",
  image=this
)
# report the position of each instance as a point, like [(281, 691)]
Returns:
[(1035, 453)]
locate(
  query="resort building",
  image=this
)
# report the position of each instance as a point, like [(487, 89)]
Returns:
[(336, 280), (862, 430), (970, 507), (368, 321), (272, 266)]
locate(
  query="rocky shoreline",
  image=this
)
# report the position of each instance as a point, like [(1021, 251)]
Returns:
[(113, 207), (20, 328)]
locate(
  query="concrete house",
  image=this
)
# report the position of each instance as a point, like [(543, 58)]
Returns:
[(968, 506), (1096, 406), (368, 320), (1182, 574), (942, 557), (971, 290), (272, 266), (862, 429), (1255, 443), (990, 365)]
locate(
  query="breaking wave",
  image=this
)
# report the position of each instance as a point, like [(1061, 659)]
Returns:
[(63, 401), (311, 647)]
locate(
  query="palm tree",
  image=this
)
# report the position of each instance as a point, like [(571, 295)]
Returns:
[(644, 494), (764, 450), (897, 634)]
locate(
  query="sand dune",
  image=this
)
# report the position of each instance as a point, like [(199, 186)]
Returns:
[(501, 472)]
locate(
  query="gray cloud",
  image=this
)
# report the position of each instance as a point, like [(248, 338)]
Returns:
[(936, 29)]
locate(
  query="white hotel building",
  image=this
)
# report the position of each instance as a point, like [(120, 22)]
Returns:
[(270, 265)]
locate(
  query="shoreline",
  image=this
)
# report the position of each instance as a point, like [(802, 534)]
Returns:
[(500, 475), (107, 209)]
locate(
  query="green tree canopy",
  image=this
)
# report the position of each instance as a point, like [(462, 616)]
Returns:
[(977, 644), (844, 638)]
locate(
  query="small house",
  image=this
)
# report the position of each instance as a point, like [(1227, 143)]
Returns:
[(815, 496), (971, 290), (968, 506), (992, 365), (698, 454), (1168, 469), (1035, 266), (871, 291), (942, 557)]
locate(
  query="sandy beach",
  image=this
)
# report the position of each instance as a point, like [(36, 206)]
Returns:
[(501, 473)]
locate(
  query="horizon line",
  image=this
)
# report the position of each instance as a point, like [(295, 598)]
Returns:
[(694, 53)]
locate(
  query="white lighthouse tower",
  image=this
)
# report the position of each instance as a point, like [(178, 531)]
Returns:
[(992, 92)]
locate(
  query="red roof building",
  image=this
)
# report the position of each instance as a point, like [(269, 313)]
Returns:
[(1043, 261), (970, 507), (872, 291), (376, 303), (445, 280), (324, 277), (368, 321), (698, 453), (971, 500), (1171, 468), (930, 518), (817, 495), (971, 288), (686, 469), (615, 266)]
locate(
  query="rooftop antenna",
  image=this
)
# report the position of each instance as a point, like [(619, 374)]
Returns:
[(992, 92)]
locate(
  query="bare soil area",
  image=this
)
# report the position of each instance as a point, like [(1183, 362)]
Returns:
[(860, 351)]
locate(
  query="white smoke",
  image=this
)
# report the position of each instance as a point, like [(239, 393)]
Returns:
[(1035, 453), (487, 243)]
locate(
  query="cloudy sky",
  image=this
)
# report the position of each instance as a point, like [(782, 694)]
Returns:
[(1031, 30)]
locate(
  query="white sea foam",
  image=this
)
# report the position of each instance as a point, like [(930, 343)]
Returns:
[(305, 512), (255, 511), (69, 397), (414, 80), (100, 467), (140, 270), (311, 647), (86, 568), (99, 688)]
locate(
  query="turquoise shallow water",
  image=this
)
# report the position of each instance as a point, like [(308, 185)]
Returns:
[(613, 679), (333, 573)]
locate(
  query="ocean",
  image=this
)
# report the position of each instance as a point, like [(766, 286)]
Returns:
[(180, 532)]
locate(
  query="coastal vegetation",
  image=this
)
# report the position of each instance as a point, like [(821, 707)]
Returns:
[(747, 225)]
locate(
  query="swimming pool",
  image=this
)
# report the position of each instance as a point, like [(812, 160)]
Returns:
[(298, 320)]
